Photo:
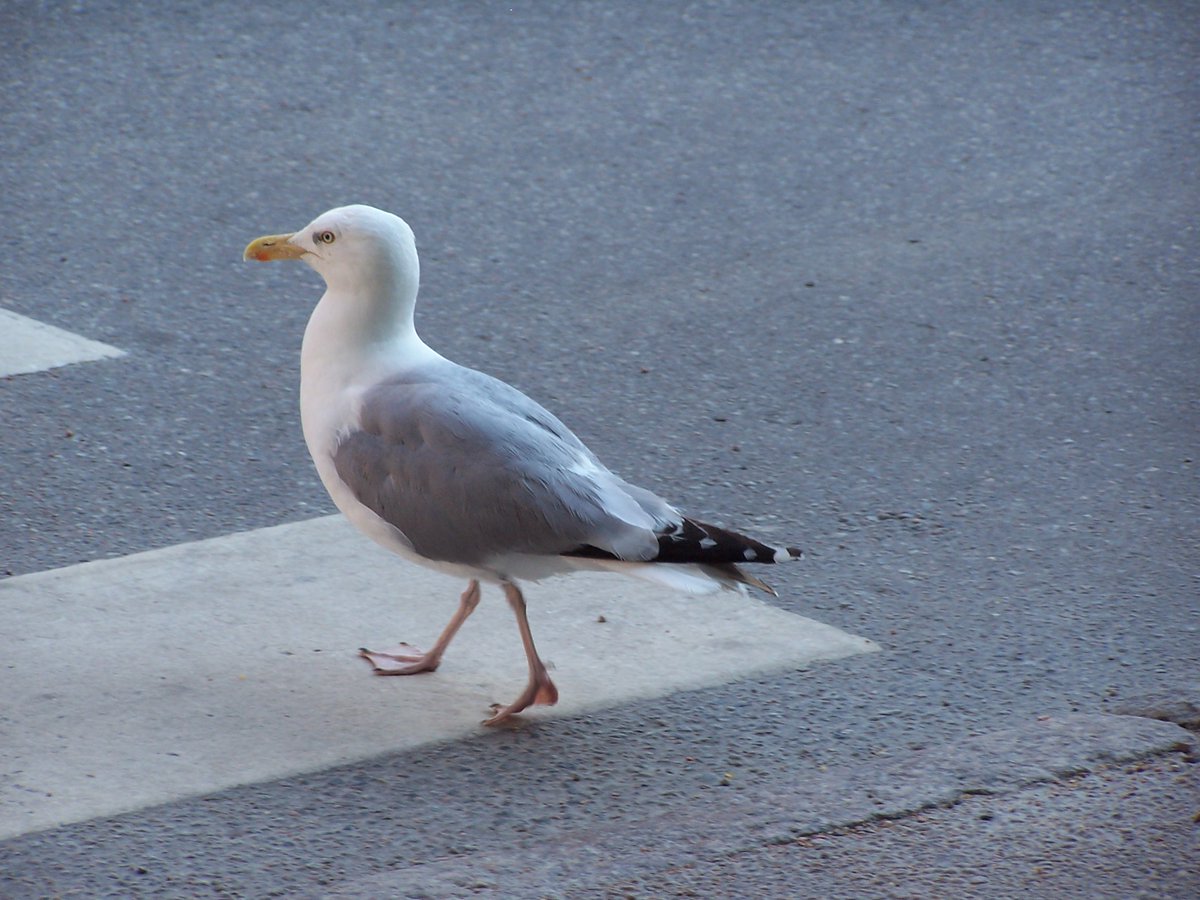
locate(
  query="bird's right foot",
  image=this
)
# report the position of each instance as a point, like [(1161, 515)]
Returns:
[(403, 659)]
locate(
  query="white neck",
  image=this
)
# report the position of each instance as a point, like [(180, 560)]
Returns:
[(344, 338)]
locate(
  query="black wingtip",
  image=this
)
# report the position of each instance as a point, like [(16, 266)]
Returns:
[(692, 541)]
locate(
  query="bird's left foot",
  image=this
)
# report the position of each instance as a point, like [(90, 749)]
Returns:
[(404, 659), (539, 692)]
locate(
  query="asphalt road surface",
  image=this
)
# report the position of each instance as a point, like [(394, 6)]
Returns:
[(912, 285)]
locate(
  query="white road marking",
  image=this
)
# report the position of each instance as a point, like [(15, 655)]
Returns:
[(177, 672), (27, 345)]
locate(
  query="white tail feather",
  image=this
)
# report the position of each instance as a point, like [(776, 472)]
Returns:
[(680, 577)]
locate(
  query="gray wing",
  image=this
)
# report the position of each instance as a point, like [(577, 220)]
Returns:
[(469, 468)]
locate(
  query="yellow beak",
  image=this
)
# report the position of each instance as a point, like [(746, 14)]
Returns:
[(273, 246)]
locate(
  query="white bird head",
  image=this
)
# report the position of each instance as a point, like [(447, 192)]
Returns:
[(354, 248)]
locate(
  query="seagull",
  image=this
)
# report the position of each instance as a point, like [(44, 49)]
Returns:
[(458, 471)]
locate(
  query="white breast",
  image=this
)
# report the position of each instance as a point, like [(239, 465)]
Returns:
[(333, 380)]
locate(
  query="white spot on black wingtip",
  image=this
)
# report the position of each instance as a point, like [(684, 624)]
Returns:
[(749, 554)]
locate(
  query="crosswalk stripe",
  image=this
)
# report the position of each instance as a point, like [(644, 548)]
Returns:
[(27, 345), (176, 672)]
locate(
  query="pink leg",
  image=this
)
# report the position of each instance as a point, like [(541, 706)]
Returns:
[(541, 689), (407, 659)]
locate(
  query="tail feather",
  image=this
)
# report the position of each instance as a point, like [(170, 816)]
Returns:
[(690, 578), (729, 574)]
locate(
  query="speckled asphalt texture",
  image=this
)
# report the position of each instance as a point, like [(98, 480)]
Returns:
[(1121, 822), (913, 285)]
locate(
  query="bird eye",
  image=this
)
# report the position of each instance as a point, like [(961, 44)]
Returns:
[(324, 237)]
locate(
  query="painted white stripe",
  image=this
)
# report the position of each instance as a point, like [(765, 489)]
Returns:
[(176, 672), (27, 345)]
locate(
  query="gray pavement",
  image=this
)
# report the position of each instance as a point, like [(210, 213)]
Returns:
[(1129, 829), (913, 285)]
